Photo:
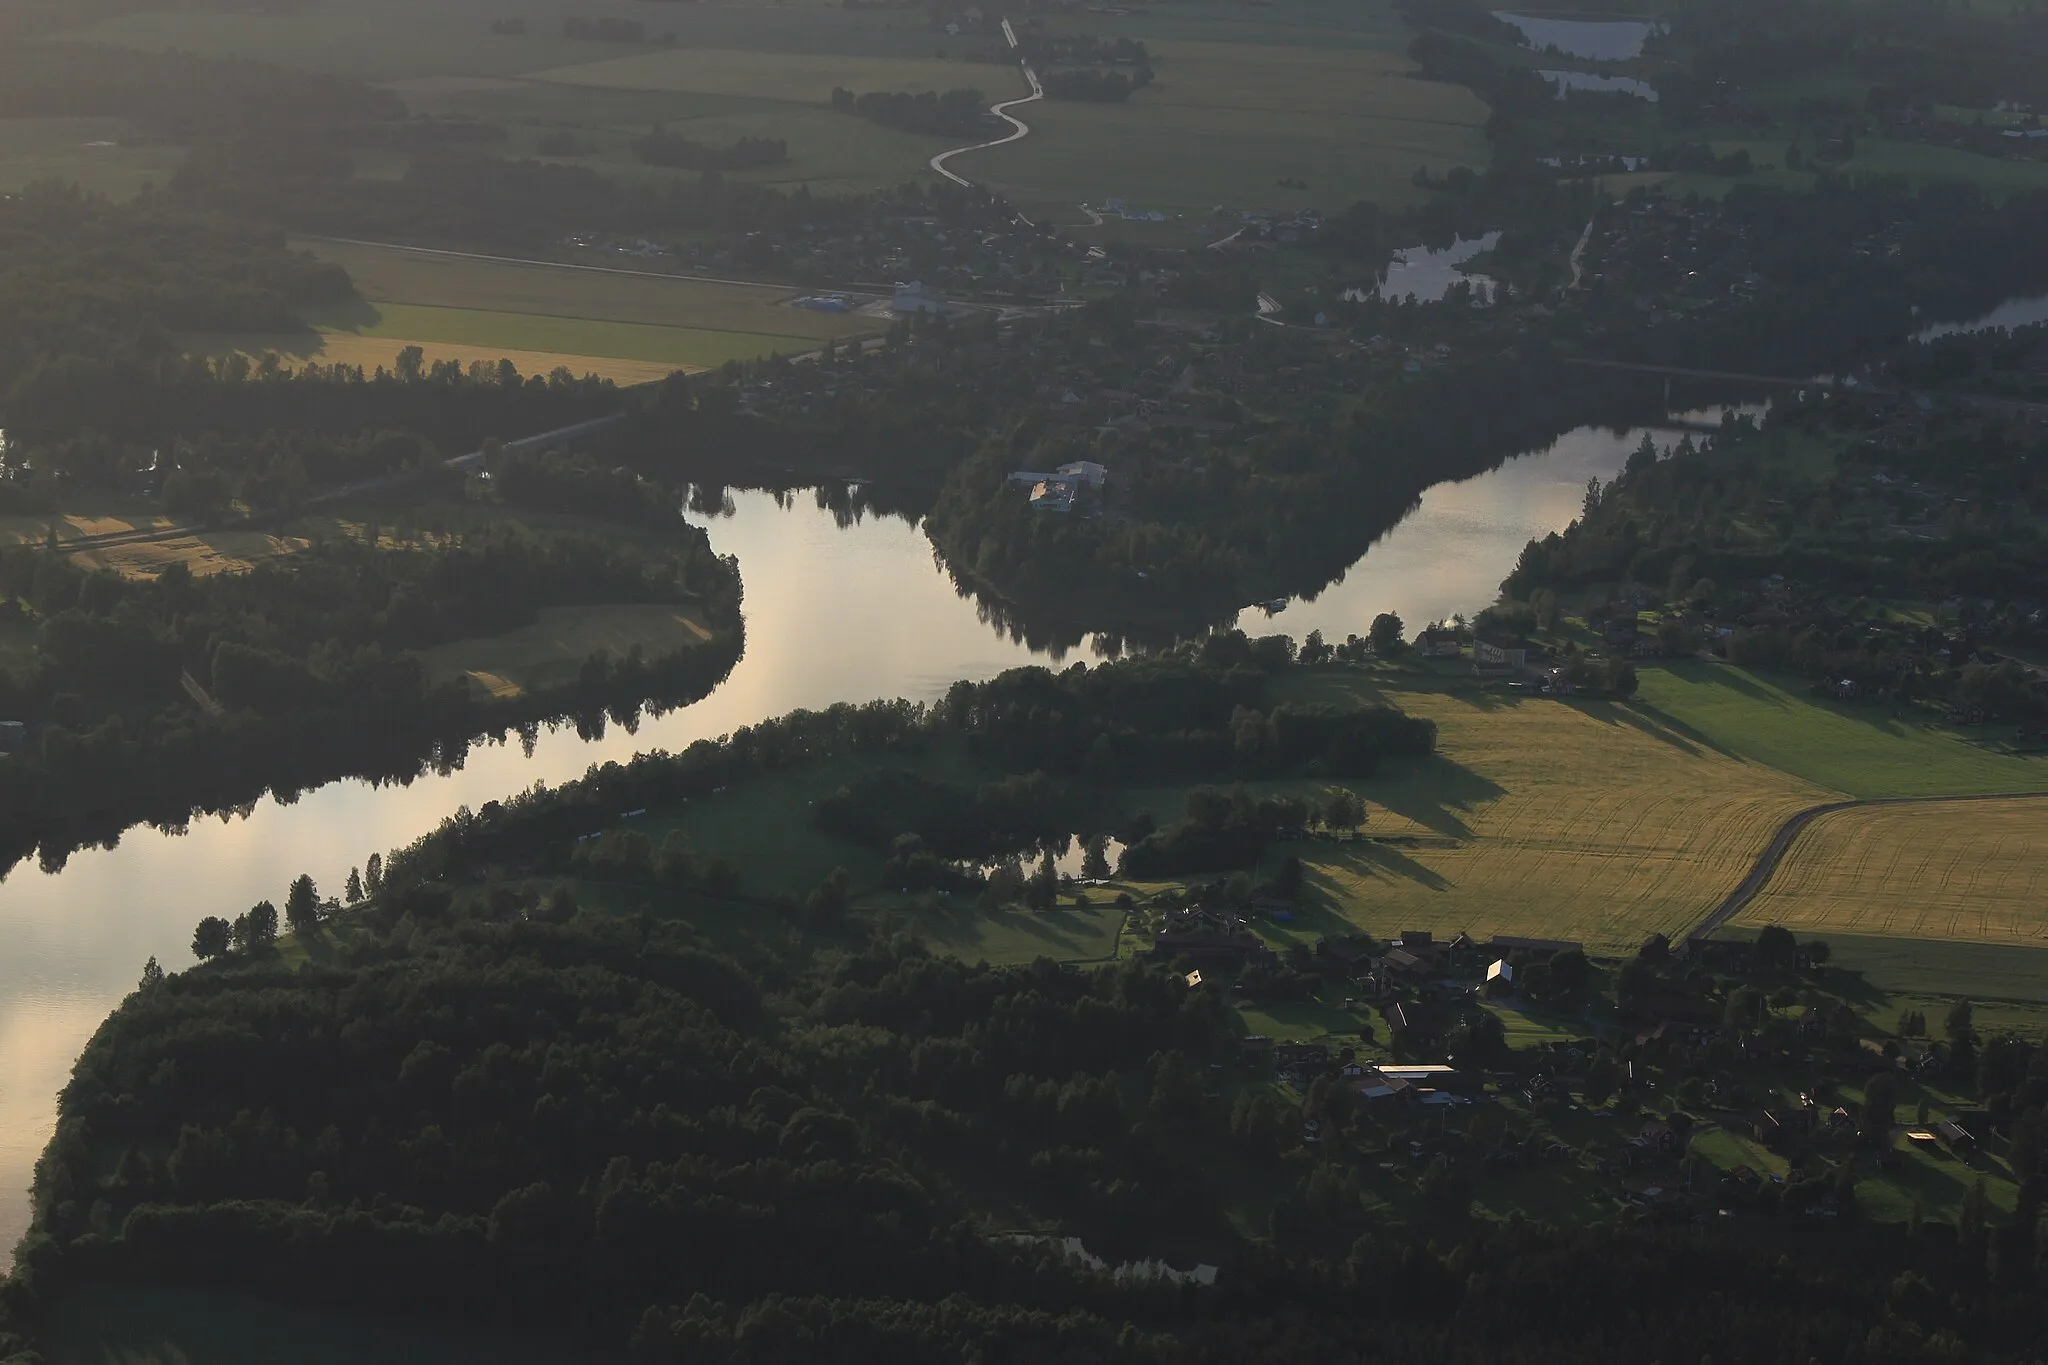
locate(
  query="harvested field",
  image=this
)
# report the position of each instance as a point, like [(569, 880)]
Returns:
[(374, 352), (1585, 822), (1972, 871), (439, 279)]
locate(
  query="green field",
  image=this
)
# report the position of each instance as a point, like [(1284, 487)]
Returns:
[(796, 78), (1907, 967), (551, 651), (624, 324), (104, 156), (1316, 92), (632, 293), (1224, 123), (683, 348), (1863, 751)]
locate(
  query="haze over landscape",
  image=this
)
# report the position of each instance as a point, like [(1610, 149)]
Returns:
[(1188, 680)]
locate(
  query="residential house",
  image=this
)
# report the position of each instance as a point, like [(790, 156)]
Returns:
[(1085, 472), (1497, 661), (1052, 495), (1436, 643)]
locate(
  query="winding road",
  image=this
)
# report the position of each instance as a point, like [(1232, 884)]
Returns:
[(1766, 866), (1019, 129)]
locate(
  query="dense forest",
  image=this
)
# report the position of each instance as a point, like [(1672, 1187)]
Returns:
[(150, 700), (1282, 511), (1052, 745), (700, 1135)]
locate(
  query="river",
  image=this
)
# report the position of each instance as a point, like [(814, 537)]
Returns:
[(832, 614)]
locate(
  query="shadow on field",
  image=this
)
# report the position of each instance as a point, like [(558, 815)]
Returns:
[(1733, 678), (1316, 912), (356, 315), (1369, 859), (1436, 791), (1658, 725)]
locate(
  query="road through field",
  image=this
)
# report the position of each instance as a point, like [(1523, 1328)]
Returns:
[(1767, 862), (1019, 129)]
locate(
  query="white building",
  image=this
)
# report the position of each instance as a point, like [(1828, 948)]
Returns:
[(1085, 471)]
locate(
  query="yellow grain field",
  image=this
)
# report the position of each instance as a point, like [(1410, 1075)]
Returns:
[(374, 352), (1583, 821), (1974, 871), (551, 651)]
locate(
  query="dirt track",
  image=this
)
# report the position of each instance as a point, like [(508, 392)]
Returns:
[(1760, 874)]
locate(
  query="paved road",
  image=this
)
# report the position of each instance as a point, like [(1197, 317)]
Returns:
[(382, 484), (1766, 866), (1019, 129)]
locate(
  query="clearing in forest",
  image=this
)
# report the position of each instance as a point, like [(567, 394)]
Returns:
[(551, 651), (1581, 820)]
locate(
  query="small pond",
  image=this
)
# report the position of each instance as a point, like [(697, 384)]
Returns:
[(1426, 274)]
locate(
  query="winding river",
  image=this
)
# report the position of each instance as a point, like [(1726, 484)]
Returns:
[(834, 613)]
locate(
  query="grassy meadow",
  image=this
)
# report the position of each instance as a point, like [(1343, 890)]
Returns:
[(1315, 92), (1225, 122), (551, 651), (1857, 750), (104, 156)]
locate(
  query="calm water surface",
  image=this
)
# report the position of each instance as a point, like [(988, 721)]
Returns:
[(832, 614), (1426, 275), (1600, 40)]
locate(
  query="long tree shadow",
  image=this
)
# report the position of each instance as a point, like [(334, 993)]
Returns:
[(1372, 859), (1435, 793), (1656, 724)]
